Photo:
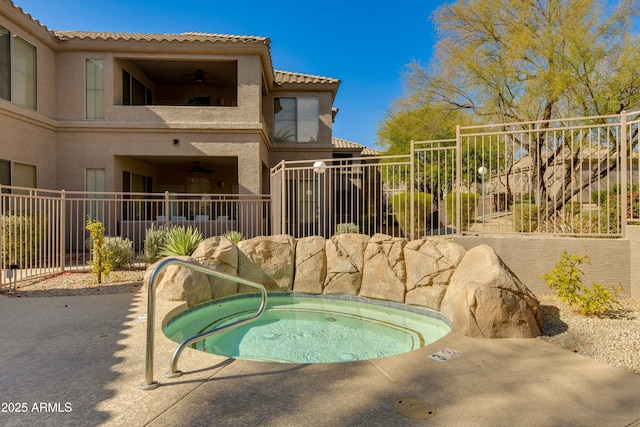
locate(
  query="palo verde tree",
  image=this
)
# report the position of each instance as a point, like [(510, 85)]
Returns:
[(518, 61), (435, 169)]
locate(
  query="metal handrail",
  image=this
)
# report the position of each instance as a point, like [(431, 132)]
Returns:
[(149, 383)]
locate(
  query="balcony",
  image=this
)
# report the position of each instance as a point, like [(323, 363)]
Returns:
[(202, 93)]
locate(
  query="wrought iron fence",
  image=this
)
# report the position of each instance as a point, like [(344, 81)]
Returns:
[(386, 194), (565, 177), (574, 177), (44, 232)]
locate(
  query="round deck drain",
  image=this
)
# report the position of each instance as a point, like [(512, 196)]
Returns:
[(412, 407)]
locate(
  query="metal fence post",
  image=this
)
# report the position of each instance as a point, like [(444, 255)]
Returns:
[(2, 228), (283, 199), (625, 203), (63, 230), (458, 184), (166, 207), (412, 189)]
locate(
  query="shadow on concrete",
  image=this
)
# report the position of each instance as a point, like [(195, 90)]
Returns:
[(58, 356)]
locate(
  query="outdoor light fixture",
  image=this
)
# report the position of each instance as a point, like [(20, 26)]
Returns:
[(482, 172), (319, 168)]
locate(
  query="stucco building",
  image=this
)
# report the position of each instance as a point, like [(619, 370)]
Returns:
[(192, 112)]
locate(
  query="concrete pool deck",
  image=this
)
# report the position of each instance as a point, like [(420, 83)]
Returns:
[(80, 361)]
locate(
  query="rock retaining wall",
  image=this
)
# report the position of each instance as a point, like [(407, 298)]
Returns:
[(474, 288)]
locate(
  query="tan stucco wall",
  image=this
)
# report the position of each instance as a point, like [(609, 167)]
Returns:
[(633, 235), (24, 139), (530, 257), (292, 152), (79, 150)]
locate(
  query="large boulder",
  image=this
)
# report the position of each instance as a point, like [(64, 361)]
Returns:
[(345, 259), (177, 283), (311, 265), (426, 296), (220, 254), (430, 263), (267, 260), (485, 299), (384, 274)]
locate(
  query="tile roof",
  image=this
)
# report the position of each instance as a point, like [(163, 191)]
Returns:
[(344, 144), (28, 15), (184, 37), (289, 77), (279, 75)]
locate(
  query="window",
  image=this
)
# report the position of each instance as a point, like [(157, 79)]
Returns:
[(95, 180), (5, 64), (18, 77), (134, 92), (24, 175), (134, 183), (17, 174), (126, 88), (5, 172), (24, 73), (296, 119), (95, 88)]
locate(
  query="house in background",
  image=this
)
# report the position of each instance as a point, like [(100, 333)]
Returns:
[(183, 113)]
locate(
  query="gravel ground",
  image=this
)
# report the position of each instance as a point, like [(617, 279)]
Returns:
[(70, 284), (613, 339)]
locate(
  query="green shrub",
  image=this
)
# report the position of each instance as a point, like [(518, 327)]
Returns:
[(22, 237), (99, 262), (401, 205), (609, 206), (572, 207), (599, 197), (181, 241), (234, 236), (526, 198), (347, 227), (611, 212), (469, 201), (154, 241), (118, 251), (525, 217), (566, 279)]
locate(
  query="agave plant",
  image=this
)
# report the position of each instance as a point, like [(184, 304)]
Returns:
[(234, 236), (181, 241)]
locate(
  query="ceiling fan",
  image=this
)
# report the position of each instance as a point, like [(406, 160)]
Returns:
[(199, 76), (198, 168)]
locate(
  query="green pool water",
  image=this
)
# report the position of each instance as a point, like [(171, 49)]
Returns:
[(300, 329)]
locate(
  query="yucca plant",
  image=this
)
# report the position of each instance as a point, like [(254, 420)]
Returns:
[(181, 241)]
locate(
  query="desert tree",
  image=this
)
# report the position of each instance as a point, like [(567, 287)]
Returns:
[(535, 60)]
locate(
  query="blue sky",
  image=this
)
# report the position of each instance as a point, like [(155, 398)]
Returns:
[(365, 44)]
